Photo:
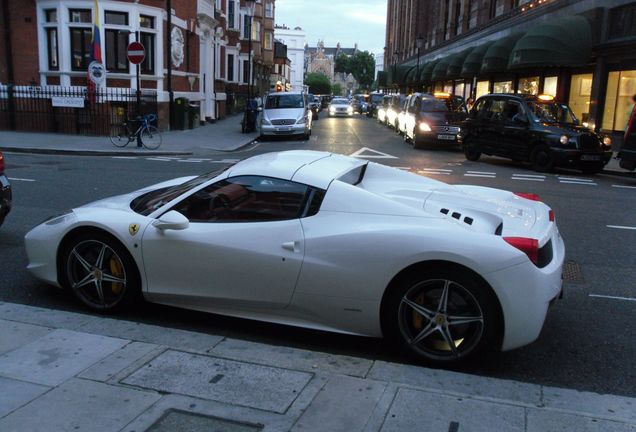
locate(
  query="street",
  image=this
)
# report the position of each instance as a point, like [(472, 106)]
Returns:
[(587, 342)]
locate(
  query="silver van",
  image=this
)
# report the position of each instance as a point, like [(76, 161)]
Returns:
[(286, 113)]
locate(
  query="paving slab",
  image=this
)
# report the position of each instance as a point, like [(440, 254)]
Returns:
[(118, 361), (554, 421), (211, 378), (80, 405), (344, 404), (184, 421), (41, 316), (57, 356), (14, 334), (175, 338), (292, 358), (594, 404), (415, 410), (455, 382), (14, 394)]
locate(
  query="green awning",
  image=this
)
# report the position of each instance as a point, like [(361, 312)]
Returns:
[(560, 42), (456, 62), (412, 77), (382, 79), (427, 71), (498, 54), (439, 71), (401, 72), (472, 63)]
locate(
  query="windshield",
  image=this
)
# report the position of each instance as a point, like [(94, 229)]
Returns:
[(376, 98), (552, 112), (284, 101), (151, 201), (340, 101), (434, 105)]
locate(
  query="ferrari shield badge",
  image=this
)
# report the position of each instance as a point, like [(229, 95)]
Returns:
[(133, 229)]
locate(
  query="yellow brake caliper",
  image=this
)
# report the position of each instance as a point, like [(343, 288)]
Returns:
[(116, 270)]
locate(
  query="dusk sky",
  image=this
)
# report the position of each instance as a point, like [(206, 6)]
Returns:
[(333, 21)]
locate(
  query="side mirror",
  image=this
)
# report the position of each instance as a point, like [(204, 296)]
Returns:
[(173, 220), (520, 119)]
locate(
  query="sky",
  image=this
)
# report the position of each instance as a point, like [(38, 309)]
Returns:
[(333, 21)]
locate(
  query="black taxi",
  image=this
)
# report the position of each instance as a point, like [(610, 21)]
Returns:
[(433, 118), (535, 129)]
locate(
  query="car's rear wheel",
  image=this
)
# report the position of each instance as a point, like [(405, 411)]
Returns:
[(444, 317), (541, 159), (100, 272), (415, 142), (471, 152)]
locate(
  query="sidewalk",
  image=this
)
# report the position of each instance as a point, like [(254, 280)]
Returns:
[(62, 371), (222, 135)]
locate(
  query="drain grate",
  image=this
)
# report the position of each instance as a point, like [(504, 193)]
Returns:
[(572, 272), (184, 421)]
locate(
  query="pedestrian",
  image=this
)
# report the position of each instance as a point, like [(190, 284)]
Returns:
[(469, 103), (627, 153)]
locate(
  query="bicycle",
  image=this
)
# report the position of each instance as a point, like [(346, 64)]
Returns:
[(149, 135)]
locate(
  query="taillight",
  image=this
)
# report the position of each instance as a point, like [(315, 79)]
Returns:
[(551, 215), (528, 246), (1, 162), (530, 196)]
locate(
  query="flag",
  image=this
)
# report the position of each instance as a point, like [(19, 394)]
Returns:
[(95, 53)]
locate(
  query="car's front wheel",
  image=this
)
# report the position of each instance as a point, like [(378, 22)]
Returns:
[(444, 317), (471, 152), (541, 159), (100, 272)]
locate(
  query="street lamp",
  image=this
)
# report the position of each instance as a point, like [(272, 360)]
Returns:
[(396, 55), (419, 43), (250, 5)]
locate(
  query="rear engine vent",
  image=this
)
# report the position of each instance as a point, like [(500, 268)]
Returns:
[(499, 229), (445, 211), (456, 215), (468, 220)]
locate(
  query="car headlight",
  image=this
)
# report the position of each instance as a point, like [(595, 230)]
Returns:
[(332, 110), (302, 120), (266, 122), (607, 141), (564, 139), (424, 127), (350, 110)]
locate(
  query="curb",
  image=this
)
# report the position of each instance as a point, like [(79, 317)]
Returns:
[(92, 152)]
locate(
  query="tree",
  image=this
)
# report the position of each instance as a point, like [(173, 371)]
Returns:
[(336, 89), (363, 68), (343, 64), (318, 83)]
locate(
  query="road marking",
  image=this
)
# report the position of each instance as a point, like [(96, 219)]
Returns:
[(20, 179), (575, 179), (578, 183), (403, 168), (529, 175), (437, 169), (190, 160), (620, 227), (623, 186), (433, 172), (225, 161), (376, 154), (613, 297), (481, 172), (479, 175), (527, 178), (124, 157), (160, 159)]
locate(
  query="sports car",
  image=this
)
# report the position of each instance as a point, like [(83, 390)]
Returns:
[(322, 241)]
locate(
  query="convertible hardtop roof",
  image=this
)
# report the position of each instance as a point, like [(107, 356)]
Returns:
[(313, 168)]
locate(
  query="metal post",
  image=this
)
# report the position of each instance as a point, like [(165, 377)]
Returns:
[(139, 144), (169, 37)]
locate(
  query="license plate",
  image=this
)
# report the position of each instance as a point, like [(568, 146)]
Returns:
[(283, 129), (590, 157), (446, 137)]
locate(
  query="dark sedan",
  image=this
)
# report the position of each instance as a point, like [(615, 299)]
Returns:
[(5, 192), (433, 118)]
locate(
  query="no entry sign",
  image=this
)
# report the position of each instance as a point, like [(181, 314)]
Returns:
[(136, 52)]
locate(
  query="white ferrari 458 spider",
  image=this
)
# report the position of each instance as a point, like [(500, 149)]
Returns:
[(322, 241)]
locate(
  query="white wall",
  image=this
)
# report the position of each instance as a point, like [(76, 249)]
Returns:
[(295, 41)]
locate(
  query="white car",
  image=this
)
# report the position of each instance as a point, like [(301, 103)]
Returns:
[(286, 113), (323, 241), (340, 107)]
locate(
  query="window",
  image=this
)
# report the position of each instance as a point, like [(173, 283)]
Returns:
[(246, 71), (580, 93), (268, 41), (116, 18), (146, 21), (246, 26), (482, 88), (50, 15), (256, 31), (51, 43), (80, 15), (230, 67), (80, 47), (218, 5), (269, 9), (502, 87), (458, 24), (148, 65), (116, 50), (529, 85), (550, 85), (621, 86), (251, 199), (495, 110)]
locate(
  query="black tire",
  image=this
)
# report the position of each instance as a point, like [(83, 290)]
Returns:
[(119, 135), (442, 333), (471, 152), (541, 159), (100, 272), (151, 137), (415, 141)]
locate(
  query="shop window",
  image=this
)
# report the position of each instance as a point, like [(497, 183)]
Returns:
[(621, 87), (580, 92), (51, 43), (448, 86), (550, 85), (116, 50), (529, 85), (80, 48), (502, 87), (459, 88), (148, 65), (482, 88)]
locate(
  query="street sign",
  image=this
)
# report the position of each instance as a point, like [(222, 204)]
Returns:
[(136, 52)]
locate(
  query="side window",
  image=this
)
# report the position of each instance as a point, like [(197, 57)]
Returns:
[(513, 112), (478, 109), (246, 199), (495, 110)]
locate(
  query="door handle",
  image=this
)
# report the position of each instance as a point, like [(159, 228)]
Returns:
[(292, 246)]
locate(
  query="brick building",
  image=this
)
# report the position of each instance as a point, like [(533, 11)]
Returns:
[(199, 51), (581, 51)]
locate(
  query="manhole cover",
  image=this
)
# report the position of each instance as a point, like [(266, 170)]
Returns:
[(183, 421), (572, 272)]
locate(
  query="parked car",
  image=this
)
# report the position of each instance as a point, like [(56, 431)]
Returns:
[(401, 117), (383, 108), (359, 103), (433, 118), (286, 113), (314, 105), (374, 101), (532, 128), (393, 110), (340, 107), (5, 191), (292, 238)]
